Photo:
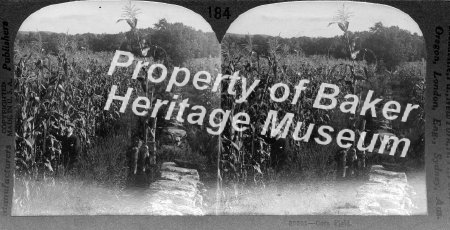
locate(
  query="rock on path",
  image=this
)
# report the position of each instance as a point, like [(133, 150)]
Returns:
[(386, 193), (177, 192)]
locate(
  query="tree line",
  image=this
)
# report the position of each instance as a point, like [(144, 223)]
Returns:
[(166, 40), (388, 45)]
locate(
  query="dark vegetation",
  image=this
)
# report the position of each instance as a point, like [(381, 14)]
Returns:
[(172, 41), (387, 60), (62, 78), (390, 45)]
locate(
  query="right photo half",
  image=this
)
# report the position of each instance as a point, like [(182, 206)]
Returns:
[(326, 103)]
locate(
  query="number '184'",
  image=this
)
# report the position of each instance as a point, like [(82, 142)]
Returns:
[(219, 12)]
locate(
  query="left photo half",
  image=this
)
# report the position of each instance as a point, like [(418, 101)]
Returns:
[(110, 99)]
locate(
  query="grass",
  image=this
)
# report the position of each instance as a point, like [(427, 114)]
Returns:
[(102, 174), (106, 162), (288, 198), (70, 196), (98, 187)]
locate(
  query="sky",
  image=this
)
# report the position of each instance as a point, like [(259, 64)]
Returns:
[(311, 19), (101, 17), (289, 19)]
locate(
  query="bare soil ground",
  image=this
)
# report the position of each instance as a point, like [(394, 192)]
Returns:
[(277, 198), (308, 198)]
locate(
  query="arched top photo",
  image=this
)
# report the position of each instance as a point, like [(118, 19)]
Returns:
[(101, 17), (312, 19)]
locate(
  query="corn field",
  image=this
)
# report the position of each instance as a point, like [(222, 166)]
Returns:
[(69, 85), (251, 158)]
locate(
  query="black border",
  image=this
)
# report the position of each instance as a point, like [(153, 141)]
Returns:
[(427, 14)]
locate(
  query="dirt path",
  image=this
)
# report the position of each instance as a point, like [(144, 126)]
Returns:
[(308, 198), (291, 199), (277, 198)]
